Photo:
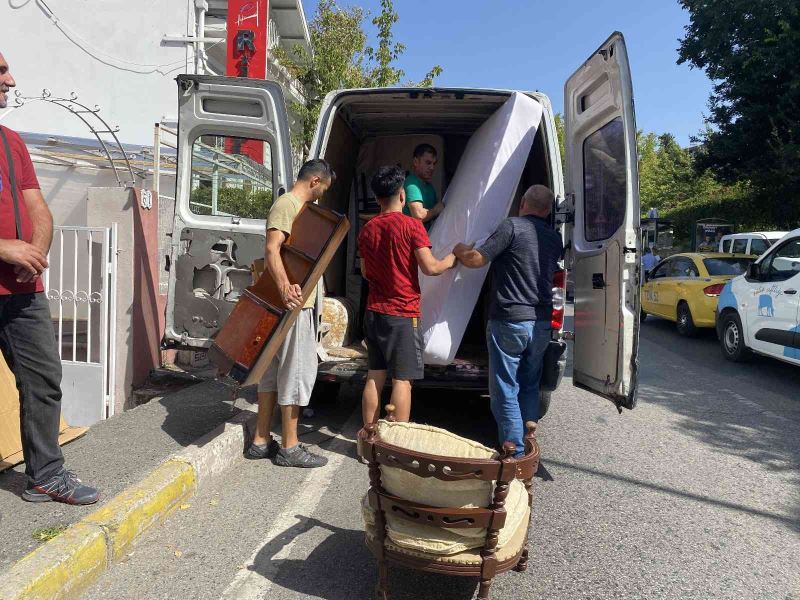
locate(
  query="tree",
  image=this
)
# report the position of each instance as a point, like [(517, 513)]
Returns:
[(342, 59), (559, 120), (232, 201), (750, 50)]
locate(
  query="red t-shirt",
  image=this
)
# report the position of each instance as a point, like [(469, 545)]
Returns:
[(26, 180), (387, 244)]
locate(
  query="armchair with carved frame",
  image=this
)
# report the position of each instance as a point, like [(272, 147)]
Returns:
[(483, 562)]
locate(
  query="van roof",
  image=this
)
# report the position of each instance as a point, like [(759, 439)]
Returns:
[(388, 110), (773, 235)]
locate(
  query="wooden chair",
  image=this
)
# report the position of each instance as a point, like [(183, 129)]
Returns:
[(484, 562)]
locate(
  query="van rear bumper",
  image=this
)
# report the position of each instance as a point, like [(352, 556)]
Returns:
[(460, 376)]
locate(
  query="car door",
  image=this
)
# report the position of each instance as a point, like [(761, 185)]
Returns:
[(603, 183), (685, 277), (233, 158), (653, 291), (773, 304)]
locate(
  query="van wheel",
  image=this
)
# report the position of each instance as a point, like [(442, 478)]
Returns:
[(642, 316), (732, 339), (544, 402), (686, 326)]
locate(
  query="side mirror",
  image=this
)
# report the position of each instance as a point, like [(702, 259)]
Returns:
[(754, 271)]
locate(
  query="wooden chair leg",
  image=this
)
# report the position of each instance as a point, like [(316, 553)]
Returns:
[(483, 591), (522, 565), (382, 589)]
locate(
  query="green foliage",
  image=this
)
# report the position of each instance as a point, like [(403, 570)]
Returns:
[(45, 534), (233, 201), (342, 59), (384, 74), (751, 51), (559, 119), (670, 181)]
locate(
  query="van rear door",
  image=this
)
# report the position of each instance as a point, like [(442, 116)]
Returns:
[(603, 182), (234, 155)]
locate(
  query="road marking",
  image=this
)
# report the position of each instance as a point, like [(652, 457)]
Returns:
[(249, 583)]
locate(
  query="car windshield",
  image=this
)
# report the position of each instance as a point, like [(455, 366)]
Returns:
[(726, 266)]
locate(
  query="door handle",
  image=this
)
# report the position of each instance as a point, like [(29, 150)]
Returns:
[(598, 281), (790, 292)]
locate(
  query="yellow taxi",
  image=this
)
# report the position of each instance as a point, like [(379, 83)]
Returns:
[(685, 287)]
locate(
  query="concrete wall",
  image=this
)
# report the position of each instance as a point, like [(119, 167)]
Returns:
[(66, 188), (94, 57), (139, 319)]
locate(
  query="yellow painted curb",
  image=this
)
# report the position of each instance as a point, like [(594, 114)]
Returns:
[(61, 568), (133, 511)]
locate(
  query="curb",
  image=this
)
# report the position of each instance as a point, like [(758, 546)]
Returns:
[(71, 562)]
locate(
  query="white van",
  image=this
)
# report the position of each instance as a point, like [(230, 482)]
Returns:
[(756, 242), (597, 208)]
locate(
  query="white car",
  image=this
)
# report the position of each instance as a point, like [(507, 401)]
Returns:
[(760, 310), (756, 242)]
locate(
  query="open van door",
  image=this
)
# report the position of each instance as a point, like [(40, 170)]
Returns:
[(234, 156), (603, 182)]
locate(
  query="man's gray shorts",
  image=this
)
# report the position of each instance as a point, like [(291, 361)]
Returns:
[(293, 371)]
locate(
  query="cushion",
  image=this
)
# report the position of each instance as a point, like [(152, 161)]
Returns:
[(427, 490), (467, 557)]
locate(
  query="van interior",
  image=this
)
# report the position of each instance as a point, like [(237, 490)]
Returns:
[(371, 129)]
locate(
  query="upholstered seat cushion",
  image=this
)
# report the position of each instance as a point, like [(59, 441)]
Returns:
[(471, 556), (475, 493)]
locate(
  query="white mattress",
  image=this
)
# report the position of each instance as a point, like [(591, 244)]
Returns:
[(477, 200)]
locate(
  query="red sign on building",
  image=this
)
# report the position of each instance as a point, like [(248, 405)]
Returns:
[(248, 22)]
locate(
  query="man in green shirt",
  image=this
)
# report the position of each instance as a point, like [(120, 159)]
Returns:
[(421, 201)]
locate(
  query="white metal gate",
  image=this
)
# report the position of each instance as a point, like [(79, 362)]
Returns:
[(81, 286)]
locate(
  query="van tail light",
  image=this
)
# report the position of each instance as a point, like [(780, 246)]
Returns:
[(714, 290), (559, 293)]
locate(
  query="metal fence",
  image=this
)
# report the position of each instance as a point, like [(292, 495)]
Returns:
[(81, 287)]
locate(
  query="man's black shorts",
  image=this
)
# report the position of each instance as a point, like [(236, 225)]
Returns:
[(394, 344)]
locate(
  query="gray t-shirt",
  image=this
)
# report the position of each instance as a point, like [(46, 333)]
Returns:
[(524, 252)]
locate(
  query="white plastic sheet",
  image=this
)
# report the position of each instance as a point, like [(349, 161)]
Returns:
[(477, 200)]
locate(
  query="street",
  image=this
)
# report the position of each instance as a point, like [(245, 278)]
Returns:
[(694, 494)]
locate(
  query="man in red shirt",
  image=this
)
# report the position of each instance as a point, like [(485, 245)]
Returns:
[(393, 248), (27, 339)]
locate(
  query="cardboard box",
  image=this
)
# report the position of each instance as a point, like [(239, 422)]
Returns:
[(10, 441)]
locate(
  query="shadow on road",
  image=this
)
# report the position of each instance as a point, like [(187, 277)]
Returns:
[(749, 410), (784, 520), (323, 574)]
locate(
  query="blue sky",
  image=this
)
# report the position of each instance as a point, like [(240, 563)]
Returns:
[(533, 44)]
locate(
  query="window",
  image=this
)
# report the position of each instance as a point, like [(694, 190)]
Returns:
[(684, 267), (726, 245), (726, 266), (231, 177), (758, 246), (740, 246), (662, 270), (604, 181), (783, 263)]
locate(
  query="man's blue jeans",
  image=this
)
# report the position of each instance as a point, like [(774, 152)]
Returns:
[(516, 351)]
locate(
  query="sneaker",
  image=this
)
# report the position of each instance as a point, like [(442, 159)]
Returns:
[(64, 487), (268, 450), (299, 456)]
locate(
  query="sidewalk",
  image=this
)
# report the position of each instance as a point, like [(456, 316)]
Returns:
[(113, 455)]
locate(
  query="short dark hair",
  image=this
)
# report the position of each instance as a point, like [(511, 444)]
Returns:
[(424, 149), (387, 182), (646, 250), (316, 168)]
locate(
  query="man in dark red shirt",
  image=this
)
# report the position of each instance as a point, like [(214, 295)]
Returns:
[(393, 248), (27, 339)]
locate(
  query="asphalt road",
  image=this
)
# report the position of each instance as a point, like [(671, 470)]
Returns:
[(694, 494)]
